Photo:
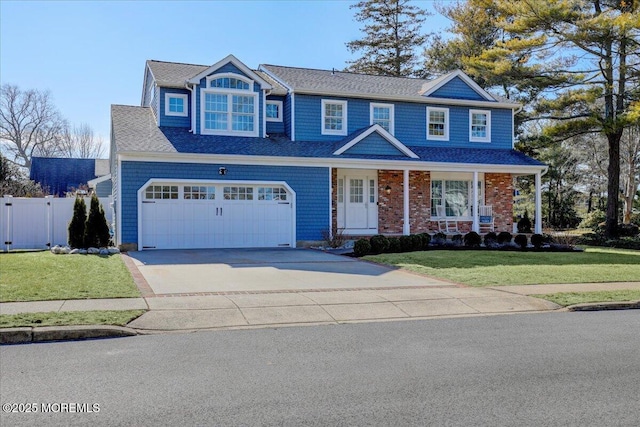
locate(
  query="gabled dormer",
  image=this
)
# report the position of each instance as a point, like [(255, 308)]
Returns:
[(229, 100)]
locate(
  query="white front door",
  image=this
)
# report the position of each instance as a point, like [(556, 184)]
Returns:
[(358, 201)]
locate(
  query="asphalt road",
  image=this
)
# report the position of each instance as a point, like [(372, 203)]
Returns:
[(556, 369)]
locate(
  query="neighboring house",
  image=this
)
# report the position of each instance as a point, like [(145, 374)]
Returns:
[(58, 175), (228, 156)]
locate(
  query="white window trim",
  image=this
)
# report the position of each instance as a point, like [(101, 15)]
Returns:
[(185, 104), (476, 139), (274, 119), (230, 92), (446, 124), (230, 75), (392, 118), (462, 176), (345, 125)]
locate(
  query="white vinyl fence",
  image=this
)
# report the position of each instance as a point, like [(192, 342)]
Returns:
[(40, 223)]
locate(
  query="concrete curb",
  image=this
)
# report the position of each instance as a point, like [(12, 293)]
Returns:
[(602, 306), (62, 333)]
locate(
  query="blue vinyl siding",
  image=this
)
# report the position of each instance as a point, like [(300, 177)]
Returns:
[(103, 189), (311, 185), (410, 123), (374, 144), (229, 68), (276, 127), (457, 89), (287, 114), (174, 121), (150, 83)]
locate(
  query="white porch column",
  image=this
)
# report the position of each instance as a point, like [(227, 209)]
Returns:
[(538, 219), (406, 229), (476, 202)]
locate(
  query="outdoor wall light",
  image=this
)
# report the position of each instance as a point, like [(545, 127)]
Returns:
[(222, 171), (387, 189)]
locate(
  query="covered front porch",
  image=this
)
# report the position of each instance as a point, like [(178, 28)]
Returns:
[(411, 200)]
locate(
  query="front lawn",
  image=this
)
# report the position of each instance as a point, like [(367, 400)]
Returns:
[(35, 276), (65, 318), (495, 268), (571, 298)]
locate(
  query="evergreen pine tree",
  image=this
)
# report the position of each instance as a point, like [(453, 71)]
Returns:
[(77, 224), (392, 35), (97, 229)]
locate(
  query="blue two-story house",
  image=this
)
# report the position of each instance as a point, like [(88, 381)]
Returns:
[(229, 156)]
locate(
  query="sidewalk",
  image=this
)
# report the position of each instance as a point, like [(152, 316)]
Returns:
[(257, 309)]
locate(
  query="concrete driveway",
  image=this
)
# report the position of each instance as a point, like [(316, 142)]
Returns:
[(258, 270)]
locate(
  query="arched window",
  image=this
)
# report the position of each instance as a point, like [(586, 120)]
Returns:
[(229, 106)]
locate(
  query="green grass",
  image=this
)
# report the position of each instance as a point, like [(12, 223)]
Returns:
[(496, 268), (65, 318), (571, 298), (37, 276)]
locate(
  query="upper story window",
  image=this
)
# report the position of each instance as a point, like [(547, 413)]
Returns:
[(334, 117), (382, 114), (274, 111), (176, 104), (438, 123), (229, 106), (479, 125)]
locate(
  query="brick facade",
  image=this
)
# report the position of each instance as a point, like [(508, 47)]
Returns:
[(390, 206), (499, 194), (419, 201)]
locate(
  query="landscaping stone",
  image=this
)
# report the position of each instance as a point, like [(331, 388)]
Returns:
[(104, 251), (74, 251), (82, 251), (65, 250), (113, 250), (93, 251)]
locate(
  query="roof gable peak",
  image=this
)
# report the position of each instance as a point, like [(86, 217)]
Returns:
[(238, 64)]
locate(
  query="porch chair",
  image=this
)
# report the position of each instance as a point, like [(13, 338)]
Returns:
[(446, 224), (485, 214)]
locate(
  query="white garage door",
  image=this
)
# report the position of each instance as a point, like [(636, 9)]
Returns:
[(216, 215)]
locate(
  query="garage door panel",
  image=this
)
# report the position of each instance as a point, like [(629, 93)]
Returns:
[(186, 221)]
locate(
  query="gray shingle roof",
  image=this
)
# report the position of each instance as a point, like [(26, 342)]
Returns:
[(135, 130), (175, 74)]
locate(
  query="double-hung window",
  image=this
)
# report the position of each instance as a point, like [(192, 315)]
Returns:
[(455, 195), (438, 123), (176, 104), (382, 114), (479, 125), (334, 117), (229, 106)]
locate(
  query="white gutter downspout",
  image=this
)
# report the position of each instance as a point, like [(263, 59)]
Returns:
[(192, 89), (293, 117)]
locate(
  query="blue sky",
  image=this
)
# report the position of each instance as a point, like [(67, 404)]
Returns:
[(91, 54)]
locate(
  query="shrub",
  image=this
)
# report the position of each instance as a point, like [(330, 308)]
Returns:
[(457, 239), (362, 247), (504, 237), (635, 219), (524, 225), (416, 242), (406, 244), (627, 230), (426, 239), (394, 245), (537, 240), (592, 219), (472, 239), (379, 244), (521, 240), (96, 231), (77, 224), (490, 239), (335, 239), (439, 239)]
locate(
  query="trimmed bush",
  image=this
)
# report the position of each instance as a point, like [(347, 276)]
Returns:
[(394, 245), (379, 244), (362, 247), (490, 239), (472, 239), (96, 231), (627, 230), (77, 224), (537, 240), (426, 239), (457, 239), (521, 240), (524, 225), (439, 239), (406, 244), (504, 237), (416, 242)]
